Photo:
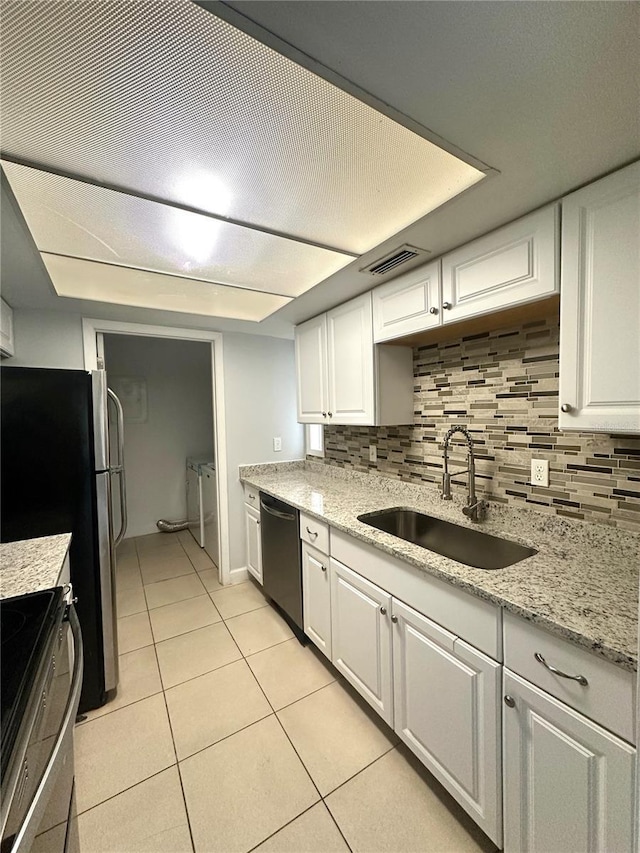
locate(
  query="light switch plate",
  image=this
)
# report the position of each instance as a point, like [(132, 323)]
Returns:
[(277, 444), (540, 472)]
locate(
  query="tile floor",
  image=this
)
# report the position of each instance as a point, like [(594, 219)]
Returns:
[(227, 735)]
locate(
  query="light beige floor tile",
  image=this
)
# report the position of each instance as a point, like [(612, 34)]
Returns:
[(209, 578), (206, 709), (127, 561), (403, 812), (176, 589), (121, 749), (155, 540), (150, 556), (259, 630), (240, 598), (128, 577), (334, 736), (127, 548), (161, 570), (314, 831), (183, 616), (148, 818), (198, 556), (139, 678), (130, 601), (244, 788), (289, 671), (134, 632), (195, 653), (52, 839)]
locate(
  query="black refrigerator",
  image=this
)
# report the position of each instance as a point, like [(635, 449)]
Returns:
[(56, 477)]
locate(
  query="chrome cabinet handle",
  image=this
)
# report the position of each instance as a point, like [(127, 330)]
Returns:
[(565, 407), (312, 533), (394, 619), (433, 310), (510, 701), (252, 497), (579, 678), (447, 306), (383, 610)]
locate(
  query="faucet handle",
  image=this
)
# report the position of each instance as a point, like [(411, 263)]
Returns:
[(475, 511)]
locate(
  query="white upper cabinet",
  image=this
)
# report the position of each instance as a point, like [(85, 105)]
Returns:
[(343, 378), (311, 375), (515, 264), (7, 346), (408, 304), (350, 362), (600, 308)]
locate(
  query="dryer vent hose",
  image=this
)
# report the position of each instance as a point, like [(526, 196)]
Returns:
[(171, 526)]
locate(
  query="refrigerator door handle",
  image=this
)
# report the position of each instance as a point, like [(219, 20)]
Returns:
[(119, 467)]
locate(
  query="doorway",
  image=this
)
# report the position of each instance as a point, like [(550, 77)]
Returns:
[(171, 380)]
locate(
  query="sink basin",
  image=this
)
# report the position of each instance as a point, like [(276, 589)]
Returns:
[(471, 547)]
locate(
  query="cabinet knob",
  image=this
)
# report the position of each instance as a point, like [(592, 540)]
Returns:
[(447, 306), (394, 619), (324, 414), (565, 407), (433, 310), (330, 414), (509, 701), (383, 610), (324, 568)]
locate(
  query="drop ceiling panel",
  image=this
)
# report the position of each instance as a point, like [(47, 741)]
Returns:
[(99, 282), (69, 217), (169, 100)]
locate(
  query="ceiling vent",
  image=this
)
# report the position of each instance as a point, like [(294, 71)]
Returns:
[(394, 259)]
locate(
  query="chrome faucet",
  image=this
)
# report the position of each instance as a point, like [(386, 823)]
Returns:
[(474, 508)]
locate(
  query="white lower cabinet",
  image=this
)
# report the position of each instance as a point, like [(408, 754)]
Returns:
[(568, 783), (361, 637), (447, 711), (316, 598), (254, 541)]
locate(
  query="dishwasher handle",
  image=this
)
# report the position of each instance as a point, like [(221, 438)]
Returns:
[(285, 516)]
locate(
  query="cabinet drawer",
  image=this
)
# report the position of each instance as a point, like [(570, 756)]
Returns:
[(607, 698), (252, 496), (314, 532)]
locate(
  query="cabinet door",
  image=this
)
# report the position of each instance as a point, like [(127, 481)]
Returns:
[(254, 542), (350, 360), (311, 370), (409, 303), (517, 263), (316, 598), (600, 306), (447, 711), (568, 783), (361, 637), (7, 347)]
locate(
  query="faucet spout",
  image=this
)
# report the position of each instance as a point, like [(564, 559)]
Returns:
[(474, 508)]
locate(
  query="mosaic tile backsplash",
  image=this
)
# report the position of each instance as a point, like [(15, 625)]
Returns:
[(503, 386)]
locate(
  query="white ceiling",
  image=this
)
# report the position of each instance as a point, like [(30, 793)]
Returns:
[(547, 93)]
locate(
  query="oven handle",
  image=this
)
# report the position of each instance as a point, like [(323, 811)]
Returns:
[(26, 833)]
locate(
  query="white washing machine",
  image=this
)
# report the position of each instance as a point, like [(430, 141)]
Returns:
[(209, 484)]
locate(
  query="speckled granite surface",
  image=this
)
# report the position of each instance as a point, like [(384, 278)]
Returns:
[(31, 564), (582, 585)]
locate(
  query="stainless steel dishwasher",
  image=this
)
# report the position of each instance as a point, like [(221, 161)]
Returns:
[(281, 559)]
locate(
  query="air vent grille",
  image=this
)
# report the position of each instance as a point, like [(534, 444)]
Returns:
[(394, 259)]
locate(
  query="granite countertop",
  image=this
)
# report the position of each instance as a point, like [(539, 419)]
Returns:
[(32, 564), (582, 585)]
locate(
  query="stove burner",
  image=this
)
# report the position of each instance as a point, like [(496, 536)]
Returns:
[(12, 623)]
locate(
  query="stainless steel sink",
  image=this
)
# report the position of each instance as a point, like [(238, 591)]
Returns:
[(471, 547)]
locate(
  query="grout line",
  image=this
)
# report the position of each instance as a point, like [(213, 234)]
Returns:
[(125, 790)]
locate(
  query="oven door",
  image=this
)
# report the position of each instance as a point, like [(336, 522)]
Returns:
[(50, 824)]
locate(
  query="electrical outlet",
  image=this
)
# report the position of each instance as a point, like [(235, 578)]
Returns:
[(540, 472), (373, 453), (277, 444)]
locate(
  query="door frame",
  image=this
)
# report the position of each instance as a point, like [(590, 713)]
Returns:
[(92, 327)]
